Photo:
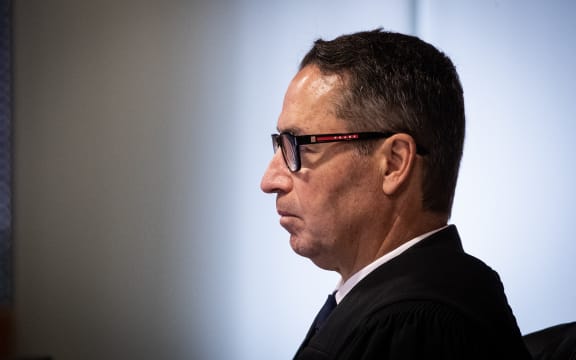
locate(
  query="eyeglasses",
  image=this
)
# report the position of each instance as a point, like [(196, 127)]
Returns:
[(290, 143)]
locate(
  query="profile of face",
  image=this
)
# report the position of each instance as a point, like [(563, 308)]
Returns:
[(335, 199)]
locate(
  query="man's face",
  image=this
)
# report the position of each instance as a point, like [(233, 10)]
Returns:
[(334, 200)]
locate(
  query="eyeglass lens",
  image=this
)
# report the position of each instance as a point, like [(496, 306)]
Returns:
[(289, 151), (288, 145)]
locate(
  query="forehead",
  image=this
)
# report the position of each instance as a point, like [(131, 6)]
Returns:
[(309, 103)]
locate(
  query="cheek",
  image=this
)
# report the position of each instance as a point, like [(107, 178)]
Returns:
[(338, 195), (351, 198), (327, 205), (319, 210)]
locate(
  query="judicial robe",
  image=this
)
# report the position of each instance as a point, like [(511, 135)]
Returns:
[(433, 301)]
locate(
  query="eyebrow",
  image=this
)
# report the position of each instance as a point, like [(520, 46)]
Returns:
[(292, 130)]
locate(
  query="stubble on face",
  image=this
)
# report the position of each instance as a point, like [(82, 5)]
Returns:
[(330, 201)]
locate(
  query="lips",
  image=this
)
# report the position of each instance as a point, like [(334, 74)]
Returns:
[(283, 208), (288, 219), (284, 213)]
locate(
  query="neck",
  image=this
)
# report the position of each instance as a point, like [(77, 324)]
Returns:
[(401, 230)]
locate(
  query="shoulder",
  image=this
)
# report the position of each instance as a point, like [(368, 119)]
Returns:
[(401, 324), (421, 330)]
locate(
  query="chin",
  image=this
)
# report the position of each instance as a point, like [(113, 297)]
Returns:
[(324, 264), (314, 253), (303, 247)]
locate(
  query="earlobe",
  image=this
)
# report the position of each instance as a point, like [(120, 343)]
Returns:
[(398, 157)]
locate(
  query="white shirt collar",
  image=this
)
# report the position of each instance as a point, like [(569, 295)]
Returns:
[(344, 288)]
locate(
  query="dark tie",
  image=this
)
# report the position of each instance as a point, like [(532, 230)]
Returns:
[(320, 319), (329, 305)]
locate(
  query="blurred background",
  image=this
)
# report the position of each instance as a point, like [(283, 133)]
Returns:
[(141, 130)]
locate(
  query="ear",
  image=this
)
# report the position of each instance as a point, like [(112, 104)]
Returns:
[(397, 161)]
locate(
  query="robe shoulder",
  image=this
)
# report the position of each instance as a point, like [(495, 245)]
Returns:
[(425, 330)]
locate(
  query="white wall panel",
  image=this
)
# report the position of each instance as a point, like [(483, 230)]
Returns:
[(279, 292)]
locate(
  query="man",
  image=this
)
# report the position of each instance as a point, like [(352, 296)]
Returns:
[(370, 138)]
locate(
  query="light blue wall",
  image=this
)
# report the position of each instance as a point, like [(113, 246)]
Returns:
[(142, 129), (516, 198)]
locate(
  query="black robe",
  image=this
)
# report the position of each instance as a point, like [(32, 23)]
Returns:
[(431, 302)]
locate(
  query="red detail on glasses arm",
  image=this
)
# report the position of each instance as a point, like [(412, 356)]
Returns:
[(336, 137)]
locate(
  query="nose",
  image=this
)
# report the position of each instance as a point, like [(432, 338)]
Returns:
[(277, 177)]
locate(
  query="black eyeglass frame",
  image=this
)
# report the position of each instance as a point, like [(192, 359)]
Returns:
[(294, 163)]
